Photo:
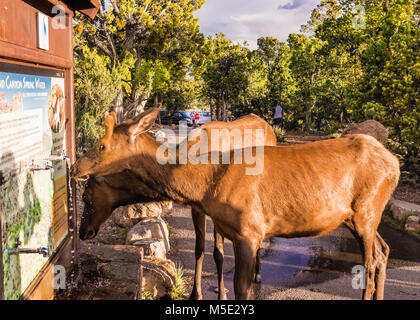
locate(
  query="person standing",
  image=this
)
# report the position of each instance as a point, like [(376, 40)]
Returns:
[(278, 116), (196, 118)]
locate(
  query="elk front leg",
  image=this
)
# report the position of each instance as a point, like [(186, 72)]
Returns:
[(199, 221), (218, 259), (245, 256)]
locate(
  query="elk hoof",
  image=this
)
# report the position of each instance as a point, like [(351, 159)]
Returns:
[(222, 297), (195, 296), (257, 278)]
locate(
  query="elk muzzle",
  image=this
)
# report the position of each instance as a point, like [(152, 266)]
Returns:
[(81, 169), (87, 232), (75, 174)]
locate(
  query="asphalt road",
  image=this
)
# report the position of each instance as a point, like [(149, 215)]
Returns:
[(302, 268)]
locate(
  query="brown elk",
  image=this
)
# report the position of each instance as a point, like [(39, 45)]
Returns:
[(104, 194), (303, 191)]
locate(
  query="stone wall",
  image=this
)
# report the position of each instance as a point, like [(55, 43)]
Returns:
[(406, 212), (115, 267)]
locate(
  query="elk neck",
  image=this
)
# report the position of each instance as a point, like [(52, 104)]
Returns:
[(186, 183)]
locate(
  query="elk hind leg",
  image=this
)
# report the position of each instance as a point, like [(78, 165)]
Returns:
[(218, 259), (365, 235), (199, 221), (382, 253), (257, 278)]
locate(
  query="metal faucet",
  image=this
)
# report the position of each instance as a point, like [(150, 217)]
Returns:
[(37, 167), (61, 156), (41, 250)]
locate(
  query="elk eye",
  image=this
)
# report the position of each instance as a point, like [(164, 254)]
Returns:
[(101, 147)]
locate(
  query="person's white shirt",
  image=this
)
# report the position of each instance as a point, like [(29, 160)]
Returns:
[(278, 113)]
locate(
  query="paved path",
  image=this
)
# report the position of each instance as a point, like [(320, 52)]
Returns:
[(303, 268)]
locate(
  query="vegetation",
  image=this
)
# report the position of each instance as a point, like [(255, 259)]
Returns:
[(398, 224), (342, 68), (177, 291), (280, 133), (147, 295)]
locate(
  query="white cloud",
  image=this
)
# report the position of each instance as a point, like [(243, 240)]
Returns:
[(248, 20)]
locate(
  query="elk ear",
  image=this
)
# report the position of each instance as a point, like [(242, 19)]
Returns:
[(110, 121), (143, 122)]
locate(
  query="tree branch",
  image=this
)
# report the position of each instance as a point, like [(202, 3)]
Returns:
[(115, 7), (97, 43), (108, 36)]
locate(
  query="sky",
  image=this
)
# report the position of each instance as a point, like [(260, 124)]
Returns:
[(248, 20)]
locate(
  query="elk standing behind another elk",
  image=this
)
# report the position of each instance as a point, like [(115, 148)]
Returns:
[(104, 194), (303, 191)]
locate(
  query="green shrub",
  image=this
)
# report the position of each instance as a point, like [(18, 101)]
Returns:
[(280, 133), (177, 291)]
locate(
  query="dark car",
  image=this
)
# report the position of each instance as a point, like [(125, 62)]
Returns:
[(176, 118)]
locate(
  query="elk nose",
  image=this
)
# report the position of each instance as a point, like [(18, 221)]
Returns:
[(73, 171), (87, 233)]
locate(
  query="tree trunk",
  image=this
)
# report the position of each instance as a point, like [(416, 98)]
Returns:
[(140, 107), (119, 105), (218, 115), (211, 109), (308, 115), (308, 119), (224, 112)]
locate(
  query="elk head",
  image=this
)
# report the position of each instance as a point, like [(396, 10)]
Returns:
[(113, 151), (103, 194), (98, 207)]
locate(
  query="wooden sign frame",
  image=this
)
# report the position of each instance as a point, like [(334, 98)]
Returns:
[(19, 46)]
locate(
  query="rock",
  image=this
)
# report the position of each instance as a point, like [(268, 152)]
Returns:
[(93, 258), (150, 209), (118, 270), (128, 216), (158, 276), (369, 127), (166, 205), (413, 223), (154, 248), (401, 209), (110, 233), (149, 228), (125, 216), (116, 290)]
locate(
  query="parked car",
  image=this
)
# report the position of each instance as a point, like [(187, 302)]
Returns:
[(176, 118)]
